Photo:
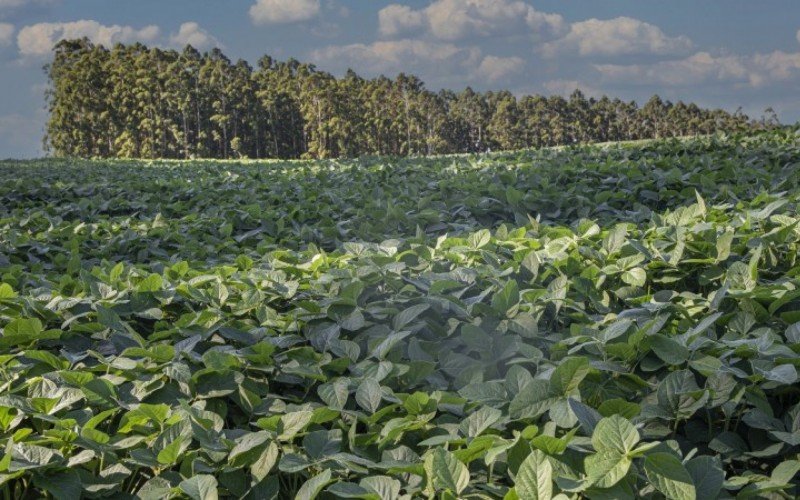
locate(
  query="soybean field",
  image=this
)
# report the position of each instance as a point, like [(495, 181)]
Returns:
[(603, 322)]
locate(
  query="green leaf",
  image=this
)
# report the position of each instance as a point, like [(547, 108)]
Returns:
[(615, 239), (489, 393), (65, 485), (561, 413), (313, 486), (707, 475), (152, 283), (479, 420), (739, 277), (368, 395), (532, 401), (534, 479), (679, 394), (25, 456), (606, 468), (619, 407), (480, 239), (505, 299), (418, 403), (408, 315), (549, 444), (587, 416), (6, 292), (568, 375), (171, 453), (793, 333), (293, 423), (615, 433), (723, 244), (335, 393), (669, 350), (156, 488), (616, 329), (265, 462), (783, 374), (705, 324), (387, 488), (23, 328), (635, 277), (248, 448), (669, 476), (445, 471), (347, 317), (785, 472), (531, 264), (701, 203), (200, 487), (348, 490)]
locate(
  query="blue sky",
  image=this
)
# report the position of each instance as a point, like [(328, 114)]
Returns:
[(721, 53)]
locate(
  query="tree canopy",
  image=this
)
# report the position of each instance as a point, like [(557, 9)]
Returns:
[(140, 102)]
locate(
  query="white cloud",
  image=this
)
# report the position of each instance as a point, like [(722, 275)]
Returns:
[(453, 20), (695, 69), (756, 70), (395, 19), (396, 56), (192, 34), (773, 67), (618, 36), (283, 11), (39, 39), (444, 64), (495, 69), (6, 34)]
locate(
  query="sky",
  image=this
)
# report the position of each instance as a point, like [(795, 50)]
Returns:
[(717, 53)]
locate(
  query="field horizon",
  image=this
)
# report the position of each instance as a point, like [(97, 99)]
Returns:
[(476, 154)]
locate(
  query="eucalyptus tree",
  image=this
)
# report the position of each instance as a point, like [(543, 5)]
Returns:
[(135, 101)]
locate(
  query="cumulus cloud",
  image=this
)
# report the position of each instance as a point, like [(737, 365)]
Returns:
[(695, 69), (703, 67), (192, 34), (395, 19), (453, 20), (6, 34), (618, 36), (773, 67), (396, 55), (495, 69), (39, 39), (283, 11), (440, 63)]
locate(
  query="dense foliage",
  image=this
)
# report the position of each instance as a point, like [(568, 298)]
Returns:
[(618, 322), (140, 102)]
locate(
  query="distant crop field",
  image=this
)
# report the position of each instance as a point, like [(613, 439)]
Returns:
[(595, 322)]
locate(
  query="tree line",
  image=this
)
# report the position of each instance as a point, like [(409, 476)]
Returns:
[(140, 102)]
